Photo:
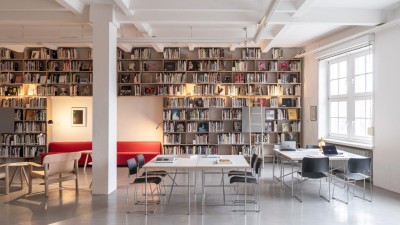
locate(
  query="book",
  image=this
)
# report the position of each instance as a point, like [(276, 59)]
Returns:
[(169, 66), (125, 90), (224, 161), (180, 127), (198, 102), (293, 78), (203, 127), (287, 102), (292, 114), (261, 66), (125, 78), (175, 114), (29, 115), (269, 114)]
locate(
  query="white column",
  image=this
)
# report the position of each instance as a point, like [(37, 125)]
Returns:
[(104, 99)]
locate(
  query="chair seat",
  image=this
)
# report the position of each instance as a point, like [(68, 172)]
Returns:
[(240, 179), (161, 173), (2, 175), (353, 176), (37, 174), (142, 180), (239, 173), (313, 175)]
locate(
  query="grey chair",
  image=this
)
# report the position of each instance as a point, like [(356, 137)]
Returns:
[(5, 175), (241, 172), (133, 171), (254, 180), (358, 169), (315, 168)]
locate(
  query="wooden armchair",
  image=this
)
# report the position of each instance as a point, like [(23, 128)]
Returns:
[(4, 175), (56, 168)]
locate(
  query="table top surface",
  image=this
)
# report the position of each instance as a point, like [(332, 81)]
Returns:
[(299, 154), (199, 162), (86, 151), (19, 164)]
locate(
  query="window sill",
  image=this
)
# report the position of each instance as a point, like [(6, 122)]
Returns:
[(350, 144)]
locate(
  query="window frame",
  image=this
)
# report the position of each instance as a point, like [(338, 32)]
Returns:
[(351, 97)]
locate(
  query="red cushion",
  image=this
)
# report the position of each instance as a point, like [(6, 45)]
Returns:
[(125, 150)]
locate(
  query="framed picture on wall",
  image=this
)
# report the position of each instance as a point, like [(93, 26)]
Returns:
[(78, 116)]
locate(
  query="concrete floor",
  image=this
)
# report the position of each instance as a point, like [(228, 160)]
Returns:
[(277, 207)]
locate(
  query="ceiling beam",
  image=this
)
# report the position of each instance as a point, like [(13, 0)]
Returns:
[(75, 6), (303, 7), (147, 32), (44, 18), (266, 45), (360, 17), (36, 5), (265, 19), (124, 5)]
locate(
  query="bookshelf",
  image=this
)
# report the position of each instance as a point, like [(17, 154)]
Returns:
[(26, 137), (26, 80), (209, 92)]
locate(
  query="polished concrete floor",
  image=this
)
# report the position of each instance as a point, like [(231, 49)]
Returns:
[(66, 206)]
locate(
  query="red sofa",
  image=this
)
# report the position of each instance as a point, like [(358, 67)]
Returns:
[(125, 150)]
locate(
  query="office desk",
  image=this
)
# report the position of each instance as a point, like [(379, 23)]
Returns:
[(197, 163), (237, 162), (294, 159), (180, 164)]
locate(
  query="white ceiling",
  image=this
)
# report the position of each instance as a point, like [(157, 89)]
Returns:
[(224, 23)]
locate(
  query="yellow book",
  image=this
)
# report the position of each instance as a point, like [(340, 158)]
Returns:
[(292, 114)]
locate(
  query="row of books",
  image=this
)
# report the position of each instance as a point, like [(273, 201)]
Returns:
[(199, 150), (171, 53), (30, 127), (140, 53), (19, 139), (9, 66), (210, 53), (230, 138), (232, 114), (6, 53), (18, 151), (172, 139), (62, 90)]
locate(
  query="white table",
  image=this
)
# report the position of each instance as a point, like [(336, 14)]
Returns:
[(87, 152), (237, 162), (180, 164), (197, 163), (293, 157)]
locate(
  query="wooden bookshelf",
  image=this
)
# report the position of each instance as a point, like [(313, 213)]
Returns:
[(207, 91)]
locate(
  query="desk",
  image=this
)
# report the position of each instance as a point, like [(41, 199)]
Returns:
[(293, 156), (87, 153), (238, 162), (20, 167), (197, 163), (180, 163)]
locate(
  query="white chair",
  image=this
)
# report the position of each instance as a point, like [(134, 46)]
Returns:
[(56, 168), (4, 175)]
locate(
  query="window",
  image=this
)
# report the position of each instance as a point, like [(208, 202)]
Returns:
[(350, 89)]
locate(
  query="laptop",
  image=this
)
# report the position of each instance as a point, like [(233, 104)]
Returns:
[(288, 146), (165, 159), (330, 150)]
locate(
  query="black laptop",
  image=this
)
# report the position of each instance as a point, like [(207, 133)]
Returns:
[(330, 150)]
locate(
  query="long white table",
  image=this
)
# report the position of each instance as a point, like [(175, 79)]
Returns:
[(197, 163), (294, 158)]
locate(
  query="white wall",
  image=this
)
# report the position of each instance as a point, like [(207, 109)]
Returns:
[(387, 109), (62, 130), (386, 152), (137, 119)]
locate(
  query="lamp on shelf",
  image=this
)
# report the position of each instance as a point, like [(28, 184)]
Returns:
[(321, 143), (50, 122)]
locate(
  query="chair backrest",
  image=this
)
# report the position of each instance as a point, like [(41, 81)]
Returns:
[(359, 165), (140, 160), (253, 161), (132, 166), (312, 146), (61, 163), (257, 167), (315, 165)]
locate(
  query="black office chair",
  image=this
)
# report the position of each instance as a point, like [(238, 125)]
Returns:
[(132, 171), (241, 172), (255, 180), (315, 168), (357, 170)]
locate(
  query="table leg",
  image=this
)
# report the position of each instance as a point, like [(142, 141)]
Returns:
[(223, 186), (25, 175), (188, 192), (21, 178), (245, 190), (145, 191), (202, 191), (86, 161), (12, 177)]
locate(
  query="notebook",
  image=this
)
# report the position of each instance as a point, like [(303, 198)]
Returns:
[(165, 159), (330, 150), (288, 146)]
